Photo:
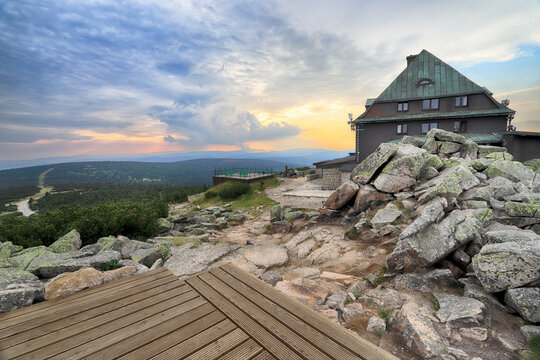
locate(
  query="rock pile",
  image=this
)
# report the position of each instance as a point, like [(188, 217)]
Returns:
[(467, 208)]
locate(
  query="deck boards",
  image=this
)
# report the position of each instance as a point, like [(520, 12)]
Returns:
[(223, 313)]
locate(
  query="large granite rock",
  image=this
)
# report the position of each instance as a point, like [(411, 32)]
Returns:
[(433, 213), (459, 310), (469, 150), (438, 240), (518, 235), (404, 168), (47, 266), (507, 265), (186, 260), (266, 256), (67, 243), (450, 183), (368, 197), (67, 283), (526, 301), (443, 135), (10, 276), (19, 295), (23, 258), (110, 243), (129, 247), (386, 216), (365, 171), (512, 170), (343, 194)]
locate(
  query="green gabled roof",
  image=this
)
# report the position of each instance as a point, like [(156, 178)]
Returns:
[(435, 115), (445, 80)]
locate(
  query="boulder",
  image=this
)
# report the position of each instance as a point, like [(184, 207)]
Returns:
[(386, 216), (157, 264), (483, 150), (323, 254), (117, 274), (474, 333), (368, 197), (47, 266), (431, 146), (291, 215), (449, 147), (266, 256), (140, 268), (376, 325), (507, 265), (512, 170), (500, 236), (22, 259), (526, 301), (110, 243), (365, 171), (499, 156), (350, 311), (433, 212), (401, 172), (439, 240), (271, 277), (201, 219), (19, 295), (10, 276), (341, 196), (469, 150), (529, 331), (382, 298), (67, 283), (337, 301), (186, 260), (91, 248), (456, 309), (275, 213), (67, 243), (413, 282), (164, 225), (129, 247), (449, 184), (443, 135), (519, 209), (7, 249), (146, 256), (412, 141)]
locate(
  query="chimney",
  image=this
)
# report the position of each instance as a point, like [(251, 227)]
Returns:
[(410, 58)]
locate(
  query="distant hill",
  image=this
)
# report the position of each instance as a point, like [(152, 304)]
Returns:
[(190, 172), (301, 157)]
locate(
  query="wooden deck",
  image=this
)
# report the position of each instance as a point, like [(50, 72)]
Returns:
[(220, 314)]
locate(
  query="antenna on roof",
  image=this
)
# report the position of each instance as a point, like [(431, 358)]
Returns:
[(506, 102), (350, 122), (350, 116)]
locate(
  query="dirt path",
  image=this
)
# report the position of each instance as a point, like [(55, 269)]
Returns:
[(23, 205), (299, 193)]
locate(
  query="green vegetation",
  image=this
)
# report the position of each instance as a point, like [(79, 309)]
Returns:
[(92, 194), (111, 265), (13, 194), (232, 190), (255, 196), (434, 302), (534, 348), (385, 313), (129, 218)]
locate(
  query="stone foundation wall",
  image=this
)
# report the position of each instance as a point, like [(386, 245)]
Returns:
[(331, 178), (345, 176)]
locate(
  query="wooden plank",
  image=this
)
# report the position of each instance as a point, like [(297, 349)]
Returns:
[(60, 310), (198, 341), (265, 355), (165, 342), (84, 293), (70, 331), (109, 309), (216, 348), (351, 341), (246, 350), (286, 335), (184, 323), (256, 331), (308, 333), (109, 332)]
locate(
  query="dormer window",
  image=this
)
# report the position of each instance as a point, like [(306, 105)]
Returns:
[(462, 101), (403, 106), (424, 82), (430, 104)]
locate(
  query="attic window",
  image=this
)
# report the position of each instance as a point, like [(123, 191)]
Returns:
[(424, 82)]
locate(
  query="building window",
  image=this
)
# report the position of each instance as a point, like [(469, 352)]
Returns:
[(460, 126), (430, 104), (462, 101), (403, 106), (428, 126), (401, 129)]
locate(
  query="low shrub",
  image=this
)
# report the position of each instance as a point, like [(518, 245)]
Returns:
[(111, 265), (232, 190)]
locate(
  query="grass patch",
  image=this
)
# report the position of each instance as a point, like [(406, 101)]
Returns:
[(379, 333), (186, 240), (385, 313), (111, 265), (406, 212), (534, 348), (434, 303)]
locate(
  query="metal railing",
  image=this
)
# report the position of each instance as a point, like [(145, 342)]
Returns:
[(243, 173)]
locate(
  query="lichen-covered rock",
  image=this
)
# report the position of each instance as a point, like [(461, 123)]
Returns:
[(110, 243), (522, 209), (443, 135), (500, 236), (449, 147), (512, 170), (368, 197), (433, 212), (266, 256), (47, 266), (483, 150), (67, 243), (412, 141), (70, 282), (449, 184), (526, 301), (91, 248), (146, 256), (275, 213), (499, 156), (431, 146), (164, 225), (386, 216), (7, 249), (457, 309), (364, 172), (129, 247), (469, 150), (19, 295), (10, 276), (186, 260), (291, 215), (533, 164), (507, 265), (206, 218), (343, 194), (22, 259)]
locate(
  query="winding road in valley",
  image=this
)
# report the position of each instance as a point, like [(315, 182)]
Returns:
[(23, 206)]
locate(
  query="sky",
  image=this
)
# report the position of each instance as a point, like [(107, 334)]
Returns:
[(107, 77)]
